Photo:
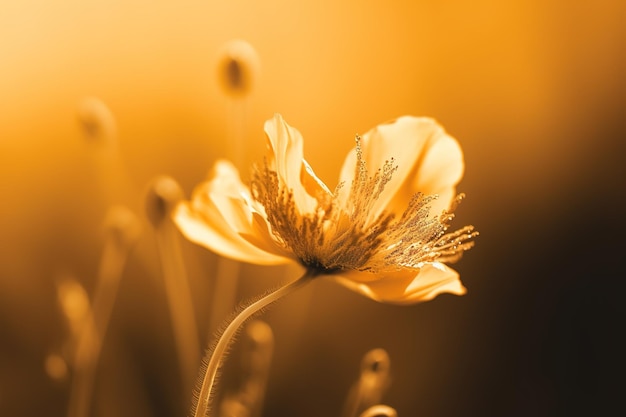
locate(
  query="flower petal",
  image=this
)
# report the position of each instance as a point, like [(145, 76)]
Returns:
[(219, 213), (286, 157), (428, 160), (405, 287), (261, 237)]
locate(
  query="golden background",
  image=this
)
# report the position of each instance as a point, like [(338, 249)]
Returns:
[(533, 90)]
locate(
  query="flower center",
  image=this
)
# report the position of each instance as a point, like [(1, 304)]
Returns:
[(347, 234)]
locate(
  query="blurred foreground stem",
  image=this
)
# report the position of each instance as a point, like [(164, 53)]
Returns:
[(201, 408), (122, 232)]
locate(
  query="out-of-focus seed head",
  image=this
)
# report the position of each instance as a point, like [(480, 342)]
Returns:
[(238, 68), (96, 120), (162, 196), (123, 226)]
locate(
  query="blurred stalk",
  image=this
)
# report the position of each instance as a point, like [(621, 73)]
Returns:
[(74, 303), (224, 291), (215, 356), (100, 132), (237, 71), (371, 385), (256, 356), (163, 195), (122, 231)]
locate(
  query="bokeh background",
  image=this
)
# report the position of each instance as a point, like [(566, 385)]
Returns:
[(533, 90)]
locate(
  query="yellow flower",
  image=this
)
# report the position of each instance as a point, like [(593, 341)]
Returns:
[(383, 235)]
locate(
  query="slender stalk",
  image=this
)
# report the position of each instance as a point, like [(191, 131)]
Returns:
[(256, 365), (180, 304), (371, 385), (256, 357), (206, 389), (224, 291), (99, 128), (227, 273), (163, 195), (123, 231)]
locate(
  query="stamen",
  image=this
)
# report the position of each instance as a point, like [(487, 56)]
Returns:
[(351, 236)]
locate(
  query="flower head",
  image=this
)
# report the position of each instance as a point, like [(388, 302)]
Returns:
[(382, 233)]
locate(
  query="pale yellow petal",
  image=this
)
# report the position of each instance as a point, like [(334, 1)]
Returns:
[(428, 160), (229, 196), (311, 183), (440, 171), (405, 287), (286, 146), (219, 212), (210, 230), (261, 237), (286, 157)]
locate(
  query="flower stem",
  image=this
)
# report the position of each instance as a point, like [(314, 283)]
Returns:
[(215, 360)]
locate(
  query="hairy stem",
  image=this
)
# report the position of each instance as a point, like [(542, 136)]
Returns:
[(206, 389)]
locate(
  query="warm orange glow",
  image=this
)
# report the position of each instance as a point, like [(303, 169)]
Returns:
[(99, 99)]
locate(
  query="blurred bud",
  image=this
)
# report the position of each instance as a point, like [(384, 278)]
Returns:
[(238, 68), (163, 195), (96, 120), (123, 226), (55, 367), (256, 355), (372, 383), (376, 362), (231, 406), (258, 348), (74, 302), (379, 411), (375, 366)]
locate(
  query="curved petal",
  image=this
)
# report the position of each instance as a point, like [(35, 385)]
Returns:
[(226, 193), (405, 287), (428, 160), (212, 232), (261, 237), (286, 157), (311, 182), (217, 216)]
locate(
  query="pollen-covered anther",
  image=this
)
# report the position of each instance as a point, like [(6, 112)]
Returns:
[(349, 234), (337, 237)]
